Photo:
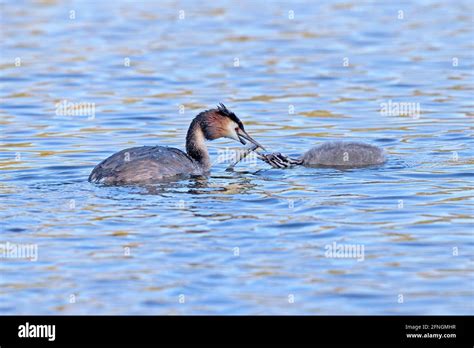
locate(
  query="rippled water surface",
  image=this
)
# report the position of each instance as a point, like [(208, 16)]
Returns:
[(255, 240)]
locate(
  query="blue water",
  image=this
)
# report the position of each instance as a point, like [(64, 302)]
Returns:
[(251, 241)]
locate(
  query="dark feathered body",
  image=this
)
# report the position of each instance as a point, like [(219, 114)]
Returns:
[(345, 154), (144, 164)]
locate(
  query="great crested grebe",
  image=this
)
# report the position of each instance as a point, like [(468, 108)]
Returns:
[(147, 164), (336, 154)]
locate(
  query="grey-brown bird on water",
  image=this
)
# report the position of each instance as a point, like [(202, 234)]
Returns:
[(148, 164), (337, 154)]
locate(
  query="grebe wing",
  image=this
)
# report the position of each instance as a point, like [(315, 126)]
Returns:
[(143, 164)]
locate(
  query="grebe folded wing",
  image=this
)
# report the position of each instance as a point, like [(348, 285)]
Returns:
[(144, 164)]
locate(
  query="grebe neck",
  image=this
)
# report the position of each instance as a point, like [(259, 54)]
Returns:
[(196, 144)]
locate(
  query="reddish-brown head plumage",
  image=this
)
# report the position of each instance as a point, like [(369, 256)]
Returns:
[(214, 124), (219, 123)]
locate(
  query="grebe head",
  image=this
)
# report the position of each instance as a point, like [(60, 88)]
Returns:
[(223, 123)]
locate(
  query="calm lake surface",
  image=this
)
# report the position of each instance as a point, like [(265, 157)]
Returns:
[(255, 240)]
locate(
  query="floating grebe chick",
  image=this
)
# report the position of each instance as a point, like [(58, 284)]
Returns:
[(340, 154), (147, 164)]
